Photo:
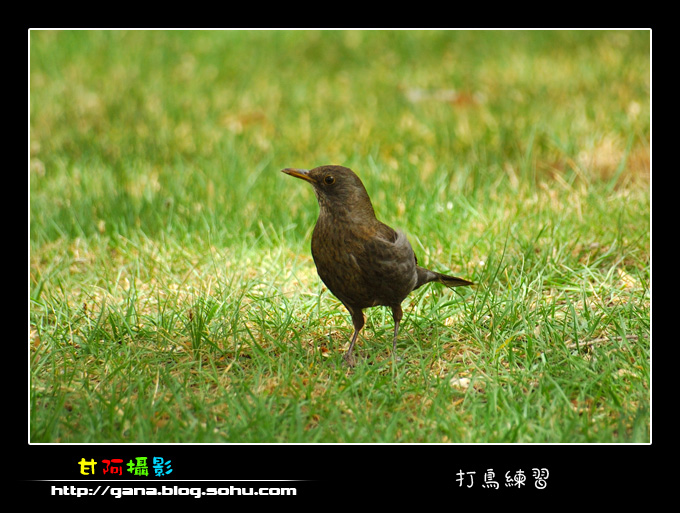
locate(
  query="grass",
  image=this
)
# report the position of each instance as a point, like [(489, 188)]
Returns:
[(173, 297)]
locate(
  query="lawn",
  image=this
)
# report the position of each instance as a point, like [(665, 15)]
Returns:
[(173, 297)]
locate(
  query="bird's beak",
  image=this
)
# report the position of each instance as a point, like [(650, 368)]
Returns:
[(299, 173)]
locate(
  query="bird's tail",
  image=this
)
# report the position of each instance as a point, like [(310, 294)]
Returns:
[(426, 276), (452, 281)]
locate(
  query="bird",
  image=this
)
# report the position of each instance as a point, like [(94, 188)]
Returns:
[(361, 260)]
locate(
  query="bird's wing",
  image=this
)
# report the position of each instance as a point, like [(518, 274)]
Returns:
[(387, 263)]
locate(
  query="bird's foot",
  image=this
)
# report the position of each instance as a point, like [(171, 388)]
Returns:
[(349, 359)]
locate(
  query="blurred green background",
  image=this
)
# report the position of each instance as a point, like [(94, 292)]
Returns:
[(145, 129)]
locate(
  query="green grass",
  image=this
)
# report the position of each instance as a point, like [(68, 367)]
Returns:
[(173, 297)]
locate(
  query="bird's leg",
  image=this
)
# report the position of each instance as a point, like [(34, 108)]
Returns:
[(349, 358), (396, 315), (358, 321)]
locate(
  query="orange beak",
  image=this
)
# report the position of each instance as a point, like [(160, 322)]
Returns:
[(299, 173)]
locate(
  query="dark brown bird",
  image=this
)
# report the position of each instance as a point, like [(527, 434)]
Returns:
[(362, 261)]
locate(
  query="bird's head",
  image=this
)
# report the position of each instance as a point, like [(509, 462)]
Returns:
[(338, 190)]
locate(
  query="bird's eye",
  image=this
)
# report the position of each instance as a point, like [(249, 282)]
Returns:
[(329, 180)]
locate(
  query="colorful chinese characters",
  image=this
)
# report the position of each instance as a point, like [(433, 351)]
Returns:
[(138, 466)]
